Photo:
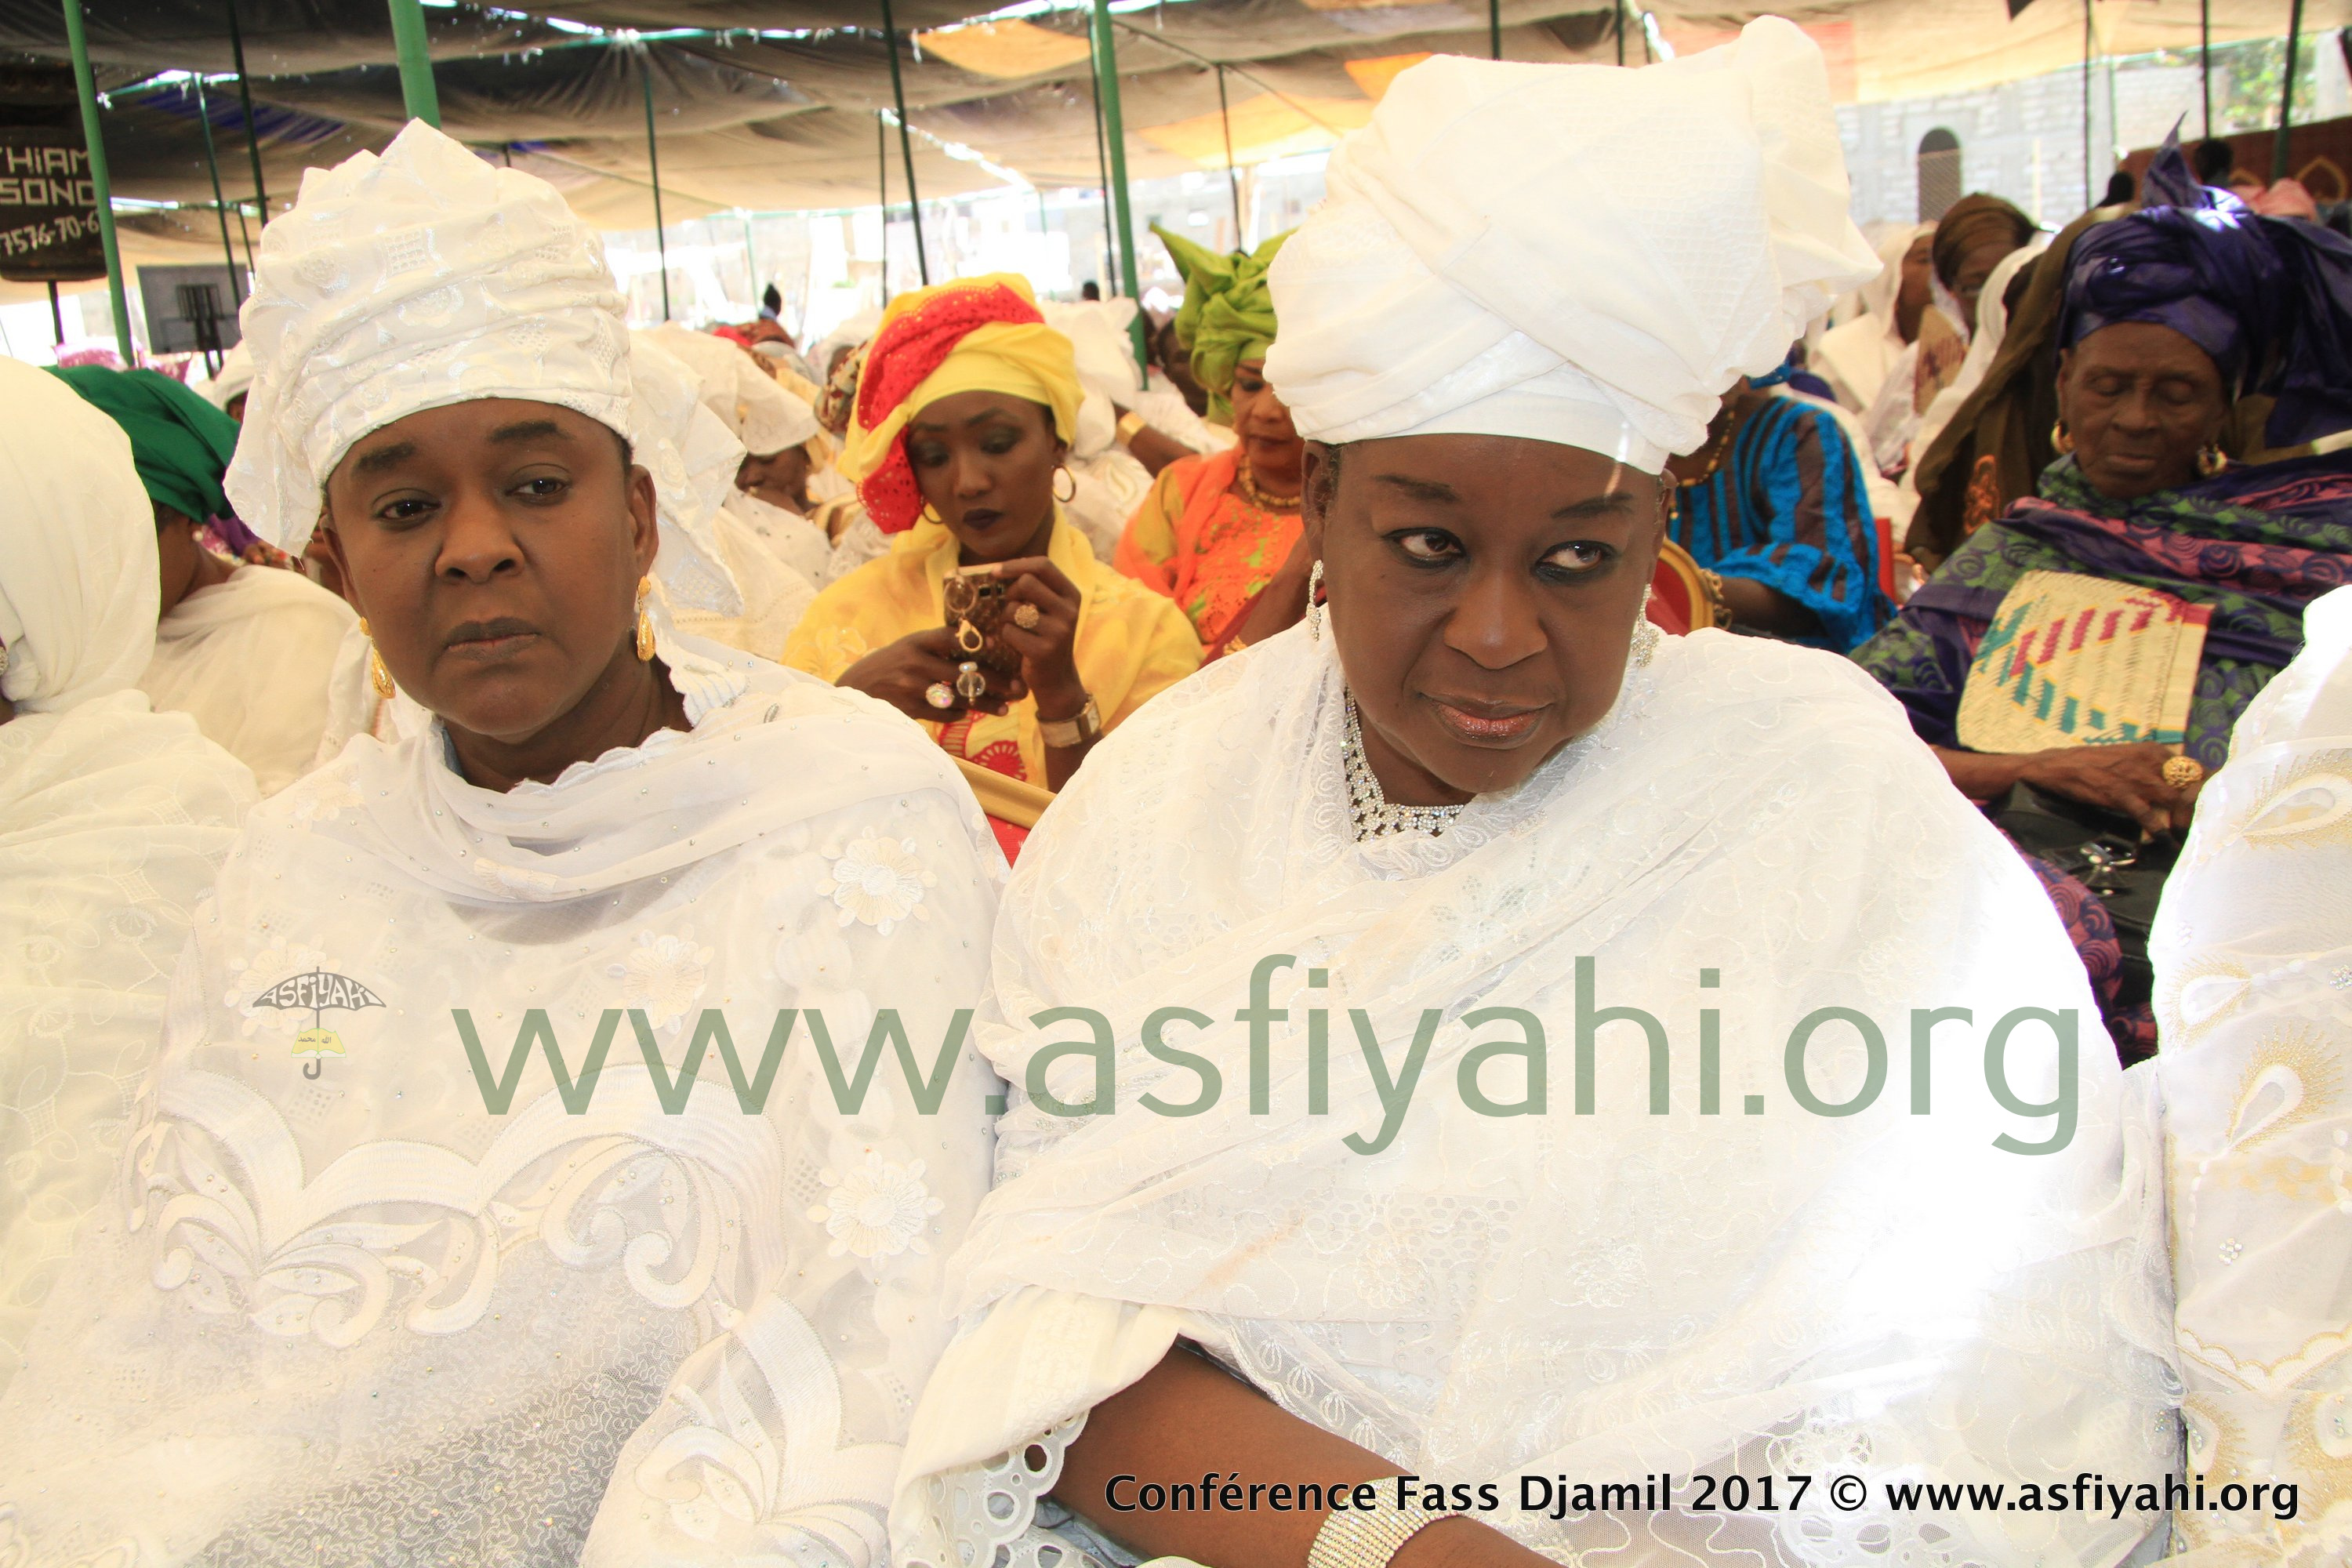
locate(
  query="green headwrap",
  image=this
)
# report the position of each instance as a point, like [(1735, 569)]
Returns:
[(181, 443), (1228, 313)]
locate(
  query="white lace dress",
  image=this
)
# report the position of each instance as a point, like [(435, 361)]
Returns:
[(2253, 988), (1564, 1276), (382, 1284), (113, 820)]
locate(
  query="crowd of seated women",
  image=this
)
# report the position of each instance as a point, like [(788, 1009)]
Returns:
[(408, 754)]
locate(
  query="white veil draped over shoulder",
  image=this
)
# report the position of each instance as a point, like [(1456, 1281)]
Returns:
[(1747, 1285)]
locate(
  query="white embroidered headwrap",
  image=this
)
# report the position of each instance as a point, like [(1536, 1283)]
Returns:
[(423, 278), (1579, 254), (760, 414)]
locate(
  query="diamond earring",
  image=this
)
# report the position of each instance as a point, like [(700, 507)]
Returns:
[(1314, 610), (1646, 636)]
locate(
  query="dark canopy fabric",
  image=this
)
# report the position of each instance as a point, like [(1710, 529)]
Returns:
[(762, 104)]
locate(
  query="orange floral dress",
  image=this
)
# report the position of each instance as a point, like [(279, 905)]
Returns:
[(1202, 545)]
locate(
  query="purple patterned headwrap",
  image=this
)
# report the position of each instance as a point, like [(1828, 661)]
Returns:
[(2270, 300)]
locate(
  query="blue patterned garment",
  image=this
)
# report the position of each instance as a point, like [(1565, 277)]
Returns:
[(1788, 509)]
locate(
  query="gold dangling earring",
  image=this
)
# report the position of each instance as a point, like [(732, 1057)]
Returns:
[(2060, 442), (379, 677), (644, 622), (2211, 459), (1064, 469)]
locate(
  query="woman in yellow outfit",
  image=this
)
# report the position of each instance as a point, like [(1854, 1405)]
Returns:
[(962, 418)]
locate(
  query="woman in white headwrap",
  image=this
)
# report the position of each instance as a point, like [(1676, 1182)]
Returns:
[(2253, 948), (437, 1241), (1855, 357), (1296, 936), (112, 820), (228, 390), (781, 439), (774, 595)]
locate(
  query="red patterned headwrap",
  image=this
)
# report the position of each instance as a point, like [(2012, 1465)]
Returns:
[(972, 335)]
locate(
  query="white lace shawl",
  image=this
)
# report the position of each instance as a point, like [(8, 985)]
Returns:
[(112, 822), (2253, 968), (1602, 1296), (359, 1319)]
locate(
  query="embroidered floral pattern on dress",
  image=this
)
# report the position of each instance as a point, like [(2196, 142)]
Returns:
[(663, 975), (877, 881), (876, 1209), (328, 793), (664, 1218)]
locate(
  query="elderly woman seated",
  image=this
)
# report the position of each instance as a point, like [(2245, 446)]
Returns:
[(2081, 660), (990, 620)]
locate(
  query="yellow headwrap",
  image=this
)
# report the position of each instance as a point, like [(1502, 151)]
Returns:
[(976, 335)]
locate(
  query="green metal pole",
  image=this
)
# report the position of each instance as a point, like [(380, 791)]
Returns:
[(905, 145), (418, 93), (2205, 59), (1495, 28), (2087, 197), (653, 160), (105, 194), (1102, 170), (220, 208), (1233, 180), (1115, 141), (252, 132), (2287, 95)]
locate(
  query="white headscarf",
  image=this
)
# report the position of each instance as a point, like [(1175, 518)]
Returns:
[(424, 278), (773, 593), (76, 548), (236, 377), (1694, 221), (1855, 355), (746, 399)]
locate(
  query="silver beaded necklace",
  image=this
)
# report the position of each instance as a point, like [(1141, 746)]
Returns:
[(1369, 808)]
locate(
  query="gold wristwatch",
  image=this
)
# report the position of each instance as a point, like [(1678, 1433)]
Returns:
[(1063, 733)]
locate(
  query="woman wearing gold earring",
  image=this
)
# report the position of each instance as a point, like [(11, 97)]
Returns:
[(959, 441), (2089, 651), (598, 815)]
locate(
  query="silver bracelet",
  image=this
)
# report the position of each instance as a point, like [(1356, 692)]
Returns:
[(1369, 1538)]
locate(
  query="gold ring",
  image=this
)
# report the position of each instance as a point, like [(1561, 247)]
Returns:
[(1025, 615), (939, 694), (2182, 771)]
